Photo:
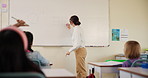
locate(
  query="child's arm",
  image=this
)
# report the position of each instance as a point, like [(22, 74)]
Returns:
[(20, 23)]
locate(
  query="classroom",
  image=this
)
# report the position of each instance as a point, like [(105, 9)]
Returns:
[(131, 15)]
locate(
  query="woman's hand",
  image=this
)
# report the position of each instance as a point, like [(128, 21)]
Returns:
[(68, 26), (20, 23), (68, 53)]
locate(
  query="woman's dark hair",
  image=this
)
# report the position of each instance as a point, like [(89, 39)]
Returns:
[(12, 55), (30, 40), (75, 20)]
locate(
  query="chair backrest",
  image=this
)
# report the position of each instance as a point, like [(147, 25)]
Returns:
[(21, 75), (144, 56), (37, 62), (139, 62)]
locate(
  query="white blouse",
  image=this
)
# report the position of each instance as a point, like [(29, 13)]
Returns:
[(77, 39)]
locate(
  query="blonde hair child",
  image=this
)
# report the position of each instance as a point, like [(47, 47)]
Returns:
[(132, 52)]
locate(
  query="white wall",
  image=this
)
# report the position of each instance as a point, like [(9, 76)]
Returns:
[(3, 16), (124, 14)]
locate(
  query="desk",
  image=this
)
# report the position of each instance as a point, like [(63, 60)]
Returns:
[(104, 67), (133, 72), (45, 67), (57, 73)]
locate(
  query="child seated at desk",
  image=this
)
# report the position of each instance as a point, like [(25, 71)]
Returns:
[(132, 52), (34, 55), (13, 46)]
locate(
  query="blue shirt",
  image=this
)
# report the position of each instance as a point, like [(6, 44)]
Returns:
[(37, 56)]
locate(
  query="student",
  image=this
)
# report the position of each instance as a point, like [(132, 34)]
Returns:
[(13, 46), (132, 52), (34, 55), (78, 46)]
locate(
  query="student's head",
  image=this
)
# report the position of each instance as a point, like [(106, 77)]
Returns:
[(12, 51), (30, 39), (74, 20), (13, 40), (132, 49)]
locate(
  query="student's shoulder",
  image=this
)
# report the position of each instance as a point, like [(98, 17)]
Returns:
[(35, 53), (125, 63)]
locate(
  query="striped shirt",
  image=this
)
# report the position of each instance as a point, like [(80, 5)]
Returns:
[(126, 63)]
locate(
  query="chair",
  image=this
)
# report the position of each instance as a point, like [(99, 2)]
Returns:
[(144, 56), (37, 62), (21, 75), (139, 62)]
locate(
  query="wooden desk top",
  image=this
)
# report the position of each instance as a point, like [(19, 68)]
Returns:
[(106, 64), (58, 73), (135, 70)]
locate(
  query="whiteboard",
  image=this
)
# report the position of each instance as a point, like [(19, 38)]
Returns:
[(47, 19)]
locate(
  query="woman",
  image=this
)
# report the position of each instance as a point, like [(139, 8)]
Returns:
[(13, 47), (78, 46)]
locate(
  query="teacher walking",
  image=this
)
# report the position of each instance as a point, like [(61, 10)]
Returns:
[(78, 46)]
